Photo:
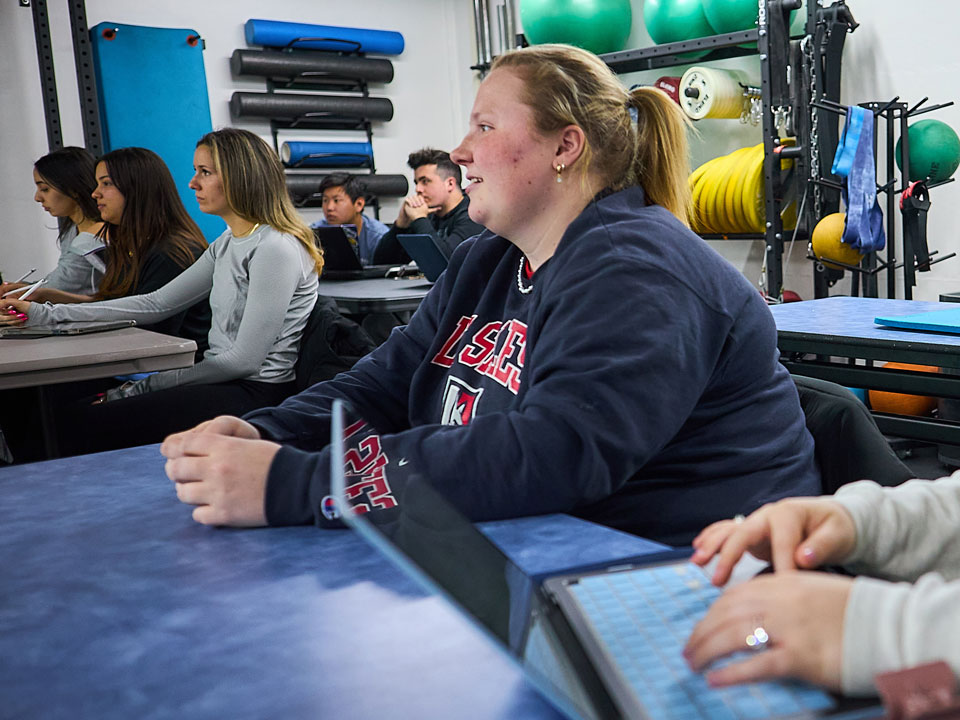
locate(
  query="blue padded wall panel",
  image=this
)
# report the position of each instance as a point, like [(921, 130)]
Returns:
[(153, 94)]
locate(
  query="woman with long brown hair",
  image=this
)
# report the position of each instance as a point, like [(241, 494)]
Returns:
[(260, 277), (149, 239), (587, 354)]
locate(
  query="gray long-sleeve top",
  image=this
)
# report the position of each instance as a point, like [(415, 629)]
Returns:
[(908, 533), (79, 269), (261, 287)]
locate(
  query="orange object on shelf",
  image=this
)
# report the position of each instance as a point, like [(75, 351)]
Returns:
[(903, 403)]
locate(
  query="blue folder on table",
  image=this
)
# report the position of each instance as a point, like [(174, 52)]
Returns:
[(941, 321)]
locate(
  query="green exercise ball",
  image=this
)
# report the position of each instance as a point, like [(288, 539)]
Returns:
[(934, 151), (600, 26), (671, 21), (727, 16)]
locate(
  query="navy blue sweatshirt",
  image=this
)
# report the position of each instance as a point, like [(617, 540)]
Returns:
[(637, 385)]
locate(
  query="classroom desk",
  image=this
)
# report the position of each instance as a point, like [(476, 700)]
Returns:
[(37, 362), (31, 362), (381, 295), (838, 330), (115, 604)]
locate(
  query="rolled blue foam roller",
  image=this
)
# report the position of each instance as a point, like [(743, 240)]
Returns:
[(326, 154), (274, 33)]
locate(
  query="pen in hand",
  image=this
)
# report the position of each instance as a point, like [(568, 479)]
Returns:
[(29, 289), (27, 274)]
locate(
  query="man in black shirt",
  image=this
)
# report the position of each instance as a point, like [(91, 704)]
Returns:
[(438, 208)]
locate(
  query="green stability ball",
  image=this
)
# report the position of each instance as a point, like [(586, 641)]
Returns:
[(670, 21), (600, 26), (727, 16), (934, 151)]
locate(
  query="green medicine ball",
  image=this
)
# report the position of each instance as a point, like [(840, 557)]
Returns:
[(600, 26), (669, 21), (934, 151)]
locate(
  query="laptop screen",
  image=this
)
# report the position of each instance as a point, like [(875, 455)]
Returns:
[(425, 536), (338, 251)]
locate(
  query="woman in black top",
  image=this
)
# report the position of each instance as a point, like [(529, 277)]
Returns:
[(150, 238)]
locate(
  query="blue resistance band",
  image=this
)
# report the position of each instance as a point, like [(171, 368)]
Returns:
[(855, 163)]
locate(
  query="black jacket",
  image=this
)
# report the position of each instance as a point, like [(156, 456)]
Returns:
[(449, 231)]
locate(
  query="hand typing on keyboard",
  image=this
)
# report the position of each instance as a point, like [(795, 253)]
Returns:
[(801, 614), (797, 533)]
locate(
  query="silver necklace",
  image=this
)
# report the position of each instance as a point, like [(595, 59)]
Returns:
[(520, 287)]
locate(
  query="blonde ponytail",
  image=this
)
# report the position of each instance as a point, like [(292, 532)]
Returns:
[(564, 85), (661, 157)]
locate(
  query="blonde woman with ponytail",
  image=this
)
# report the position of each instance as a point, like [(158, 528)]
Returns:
[(586, 354), (260, 277)]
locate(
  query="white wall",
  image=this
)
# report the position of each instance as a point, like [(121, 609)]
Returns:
[(899, 49), (430, 90)]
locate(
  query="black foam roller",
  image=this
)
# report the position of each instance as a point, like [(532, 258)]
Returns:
[(309, 66), (293, 106), (303, 186)]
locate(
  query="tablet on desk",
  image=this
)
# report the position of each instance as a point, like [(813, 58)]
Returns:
[(940, 321), (429, 257), (67, 328)]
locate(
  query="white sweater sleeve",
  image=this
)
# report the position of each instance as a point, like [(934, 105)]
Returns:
[(906, 531), (902, 533), (892, 626)]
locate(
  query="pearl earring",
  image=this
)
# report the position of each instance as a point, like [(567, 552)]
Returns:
[(560, 169)]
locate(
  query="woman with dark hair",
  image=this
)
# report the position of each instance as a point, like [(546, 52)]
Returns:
[(64, 180), (261, 280), (150, 238)]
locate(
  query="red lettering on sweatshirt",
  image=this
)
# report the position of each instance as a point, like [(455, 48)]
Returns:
[(479, 352), (443, 358), (367, 462)]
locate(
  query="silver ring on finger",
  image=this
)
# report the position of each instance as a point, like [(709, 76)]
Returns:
[(758, 639)]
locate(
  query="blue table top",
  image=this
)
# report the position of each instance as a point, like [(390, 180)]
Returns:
[(850, 321), (114, 603)]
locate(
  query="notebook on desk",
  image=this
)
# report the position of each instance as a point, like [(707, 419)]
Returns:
[(940, 321), (424, 251), (66, 328), (598, 644), (340, 260)]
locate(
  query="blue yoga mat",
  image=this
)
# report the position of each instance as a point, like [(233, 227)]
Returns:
[(326, 154), (153, 94), (274, 33)]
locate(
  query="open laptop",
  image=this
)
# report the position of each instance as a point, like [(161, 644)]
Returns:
[(340, 260), (65, 328), (598, 644), (424, 250), (938, 321)]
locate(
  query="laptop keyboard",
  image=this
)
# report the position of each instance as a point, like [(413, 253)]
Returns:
[(643, 618)]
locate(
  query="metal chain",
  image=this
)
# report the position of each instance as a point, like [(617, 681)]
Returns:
[(806, 46)]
